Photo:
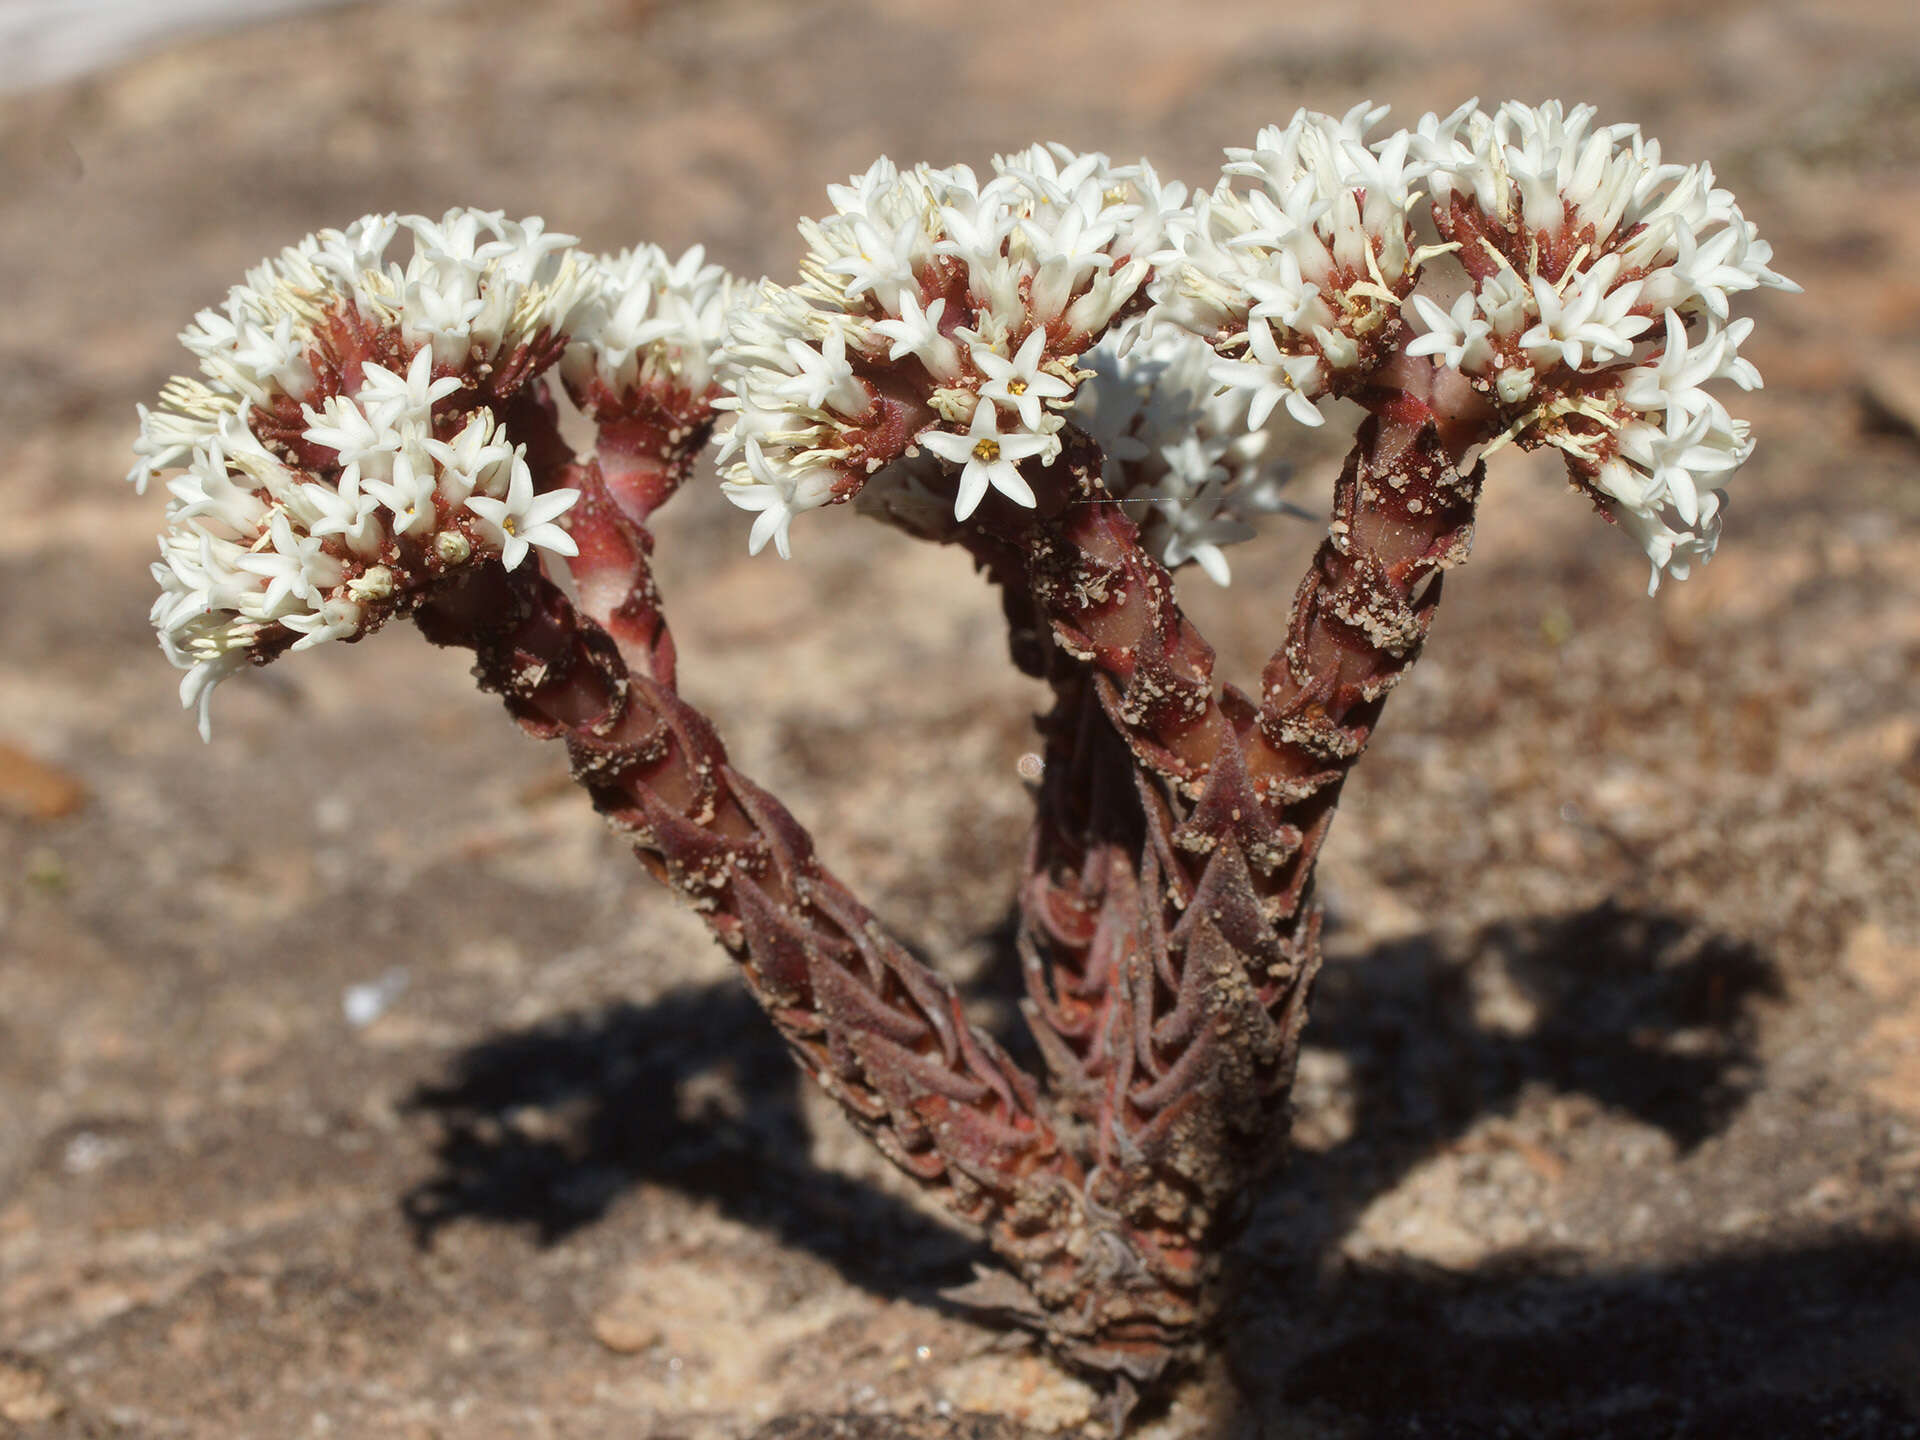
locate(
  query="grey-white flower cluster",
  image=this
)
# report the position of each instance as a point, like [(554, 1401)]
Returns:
[(1298, 277), (1578, 281), (651, 322), (1181, 451)]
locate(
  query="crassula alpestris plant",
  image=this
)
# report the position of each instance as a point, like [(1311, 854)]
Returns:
[(1084, 376)]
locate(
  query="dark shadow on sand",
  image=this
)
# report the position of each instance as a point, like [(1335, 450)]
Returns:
[(545, 1128), (1643, 1012), (1817, 1341)]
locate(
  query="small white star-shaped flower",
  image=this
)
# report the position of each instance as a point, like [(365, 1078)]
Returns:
[(768, 493), (342, 426), (883, 261), (293, 565), (824, 378), (991, 459), (348, 511), (408, 494), (388, 397), (524, 520), (1274, 376), (917, 332), (469, 458), (1672, 379), (1065, 253), (1019, 382), (1591, 315), (1459, 337)]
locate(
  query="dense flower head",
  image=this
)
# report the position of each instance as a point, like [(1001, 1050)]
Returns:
[(652, 322), (925, 295), (1586, 295), (1576, 280), (1297, 278), (345, 444)]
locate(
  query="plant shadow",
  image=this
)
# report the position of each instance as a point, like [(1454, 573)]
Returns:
[(545, 1128), (1817, 1340), (1641, 1012)]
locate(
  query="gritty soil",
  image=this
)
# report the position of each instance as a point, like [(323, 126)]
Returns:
[(1609, 1121)]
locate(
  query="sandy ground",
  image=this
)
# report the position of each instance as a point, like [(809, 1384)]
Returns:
[(1610, 1118)]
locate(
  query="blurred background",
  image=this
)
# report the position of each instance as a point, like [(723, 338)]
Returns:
[(353, 1081)]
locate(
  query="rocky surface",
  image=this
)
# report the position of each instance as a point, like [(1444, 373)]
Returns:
[(1610, 1118)]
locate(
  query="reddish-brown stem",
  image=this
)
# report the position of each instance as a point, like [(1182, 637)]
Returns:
[(885, 1036), (1169, 932)]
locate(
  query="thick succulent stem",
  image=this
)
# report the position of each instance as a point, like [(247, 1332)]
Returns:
[(882, 1034), (1169, 933)]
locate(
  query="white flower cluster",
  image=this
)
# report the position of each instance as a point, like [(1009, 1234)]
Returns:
[(1579, 283), (1299, 279), (1586, 296), (1180, 449), (343, 444), (336, 453), (939, 310), (653, 322)]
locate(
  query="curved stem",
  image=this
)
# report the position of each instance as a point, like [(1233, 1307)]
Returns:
[(881, 1033)]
